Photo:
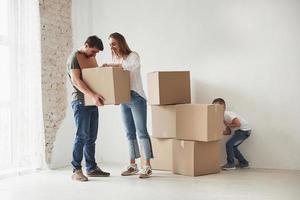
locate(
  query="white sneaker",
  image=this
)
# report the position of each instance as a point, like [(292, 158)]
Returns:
[(145, 172), (131, 169)]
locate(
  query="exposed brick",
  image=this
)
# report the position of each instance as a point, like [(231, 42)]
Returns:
[(56, 34)]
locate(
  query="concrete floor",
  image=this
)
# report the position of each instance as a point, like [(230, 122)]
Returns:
[(244, 184)]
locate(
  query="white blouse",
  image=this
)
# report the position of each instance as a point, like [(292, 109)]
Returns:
[(133, 65)]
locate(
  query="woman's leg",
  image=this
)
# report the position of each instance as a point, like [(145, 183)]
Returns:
[(139, 113), (130, 130)]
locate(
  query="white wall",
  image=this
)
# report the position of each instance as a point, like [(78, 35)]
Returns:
[(244, 51), (62, 151)]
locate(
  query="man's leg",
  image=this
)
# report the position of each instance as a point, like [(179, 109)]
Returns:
[(89, 147), (82, 127), (81, 121)]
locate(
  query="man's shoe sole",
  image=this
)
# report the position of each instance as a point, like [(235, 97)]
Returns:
[(232, 168), (75, 179), (98, 175), (243, 167)]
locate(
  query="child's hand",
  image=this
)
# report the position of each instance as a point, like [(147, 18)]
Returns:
[(227, 131), (227, 124), (235, 123), (105, 65)]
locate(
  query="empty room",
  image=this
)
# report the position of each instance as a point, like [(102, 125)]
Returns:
[(157, 99)]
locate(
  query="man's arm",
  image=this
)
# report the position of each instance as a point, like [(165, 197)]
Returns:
[(82, 86)]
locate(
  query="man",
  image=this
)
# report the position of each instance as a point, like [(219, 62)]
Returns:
[(86, 117)]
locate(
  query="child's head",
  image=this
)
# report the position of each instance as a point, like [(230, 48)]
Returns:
[(220, 101)]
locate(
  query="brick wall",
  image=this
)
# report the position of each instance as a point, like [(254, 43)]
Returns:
[(56, 36)]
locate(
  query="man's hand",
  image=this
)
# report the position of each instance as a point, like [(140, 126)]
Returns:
[(98, 100)]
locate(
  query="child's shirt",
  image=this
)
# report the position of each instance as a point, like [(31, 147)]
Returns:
[(229, 116)]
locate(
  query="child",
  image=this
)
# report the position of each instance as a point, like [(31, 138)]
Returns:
[(241, 129)]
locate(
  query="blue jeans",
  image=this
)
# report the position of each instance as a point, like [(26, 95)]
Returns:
[(134, 116), (232, 144), (86, 120)]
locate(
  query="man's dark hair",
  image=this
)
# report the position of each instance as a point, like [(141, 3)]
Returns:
[(219, 101), (94, 42)]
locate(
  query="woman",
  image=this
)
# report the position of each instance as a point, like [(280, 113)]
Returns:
[(134, 113)]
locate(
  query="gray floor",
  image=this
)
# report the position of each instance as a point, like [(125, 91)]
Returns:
[(251, 184)]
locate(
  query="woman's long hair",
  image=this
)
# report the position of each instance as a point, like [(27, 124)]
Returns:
[(124, 48)]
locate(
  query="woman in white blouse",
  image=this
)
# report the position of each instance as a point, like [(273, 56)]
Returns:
[(134, 113)]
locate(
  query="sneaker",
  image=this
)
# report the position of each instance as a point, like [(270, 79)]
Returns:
[(98, 173), (131, 169), (79, 176), (228, 166), (145, 172), (243, 165)]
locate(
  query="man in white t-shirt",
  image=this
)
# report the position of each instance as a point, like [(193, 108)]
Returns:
[(242, 130)]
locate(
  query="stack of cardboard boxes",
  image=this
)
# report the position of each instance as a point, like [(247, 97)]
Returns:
[(185, 136)]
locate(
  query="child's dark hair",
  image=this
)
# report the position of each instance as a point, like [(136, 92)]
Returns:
[(219, 101), (94, 42)]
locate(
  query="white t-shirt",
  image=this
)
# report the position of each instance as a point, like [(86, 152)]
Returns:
[(229, 116), (133, 65)]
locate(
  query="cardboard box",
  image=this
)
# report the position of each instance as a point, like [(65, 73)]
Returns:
[(162, 152), (163, 121), (171, 87), (112, 83), (193, 158), (199, 122)]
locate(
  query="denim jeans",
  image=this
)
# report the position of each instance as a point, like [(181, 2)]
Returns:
[(232, 144), (134, 116), (86, 120)]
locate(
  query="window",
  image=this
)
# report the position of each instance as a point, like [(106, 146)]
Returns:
[(21, 119), (5, 113)]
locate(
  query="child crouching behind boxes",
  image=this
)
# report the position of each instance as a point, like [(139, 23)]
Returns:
[(234, 123)]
